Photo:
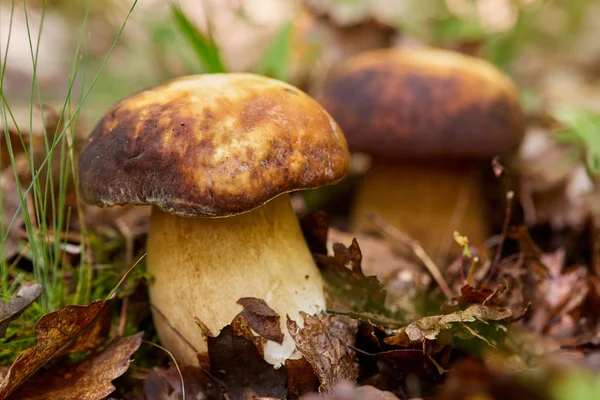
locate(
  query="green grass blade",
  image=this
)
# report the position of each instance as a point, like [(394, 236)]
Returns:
[(203, 46), (274, 61)]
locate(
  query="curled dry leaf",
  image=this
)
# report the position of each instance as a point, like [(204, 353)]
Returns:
[(236, 363), (57, 333), (326, 344), (261, 318), (15, 307), (429, 328), (90, 379)]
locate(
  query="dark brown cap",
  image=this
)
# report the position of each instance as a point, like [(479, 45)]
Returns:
[(211, 145), (424, 102)]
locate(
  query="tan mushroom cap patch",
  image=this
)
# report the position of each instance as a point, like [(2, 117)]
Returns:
[(424, 103), (211, 145)]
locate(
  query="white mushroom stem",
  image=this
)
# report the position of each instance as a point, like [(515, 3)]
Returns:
[(202, 266), (426, 200)]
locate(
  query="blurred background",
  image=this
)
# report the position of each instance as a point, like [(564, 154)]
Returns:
[(549, 47)]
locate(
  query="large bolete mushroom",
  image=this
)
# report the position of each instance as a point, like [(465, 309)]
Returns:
[(215, 155), (431, 119)]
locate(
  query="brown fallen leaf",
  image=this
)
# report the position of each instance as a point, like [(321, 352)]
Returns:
[(236, 363), (90, 379), (261, 318), (56, 334), (15, 307), (326, 344)]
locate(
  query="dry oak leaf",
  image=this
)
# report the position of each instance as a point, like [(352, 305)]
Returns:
[(261, 318), (15, 307), (325, 343), (348, 288), (90, 379), (57, 333), (430, 327)]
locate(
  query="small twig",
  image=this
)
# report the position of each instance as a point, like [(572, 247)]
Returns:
[(510, 194), (112, 292), (417, 249), (461, 261), (474, 264), (18, 258), (174, 362)]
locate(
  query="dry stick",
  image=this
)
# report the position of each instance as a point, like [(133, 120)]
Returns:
[(18, 258), (416, 247), (174, 362), (474, 264), (114, 290), (510, 194)]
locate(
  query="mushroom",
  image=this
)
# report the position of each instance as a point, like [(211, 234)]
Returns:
[(430, 119), (215, 156)]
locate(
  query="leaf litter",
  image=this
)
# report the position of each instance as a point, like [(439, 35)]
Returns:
[(326, 343), (90, 379), (67, 330)]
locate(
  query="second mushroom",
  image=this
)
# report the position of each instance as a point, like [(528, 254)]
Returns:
[(430, 119)]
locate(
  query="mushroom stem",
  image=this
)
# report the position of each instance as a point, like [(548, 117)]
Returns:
[(202, 266), (426, 200)]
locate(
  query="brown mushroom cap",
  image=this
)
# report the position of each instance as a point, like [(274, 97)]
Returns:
[(211, 146), (424, 103)]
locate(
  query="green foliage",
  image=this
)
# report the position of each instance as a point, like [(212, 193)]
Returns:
[(203, 45), (577, 385), (582, 127), (274, 61)]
